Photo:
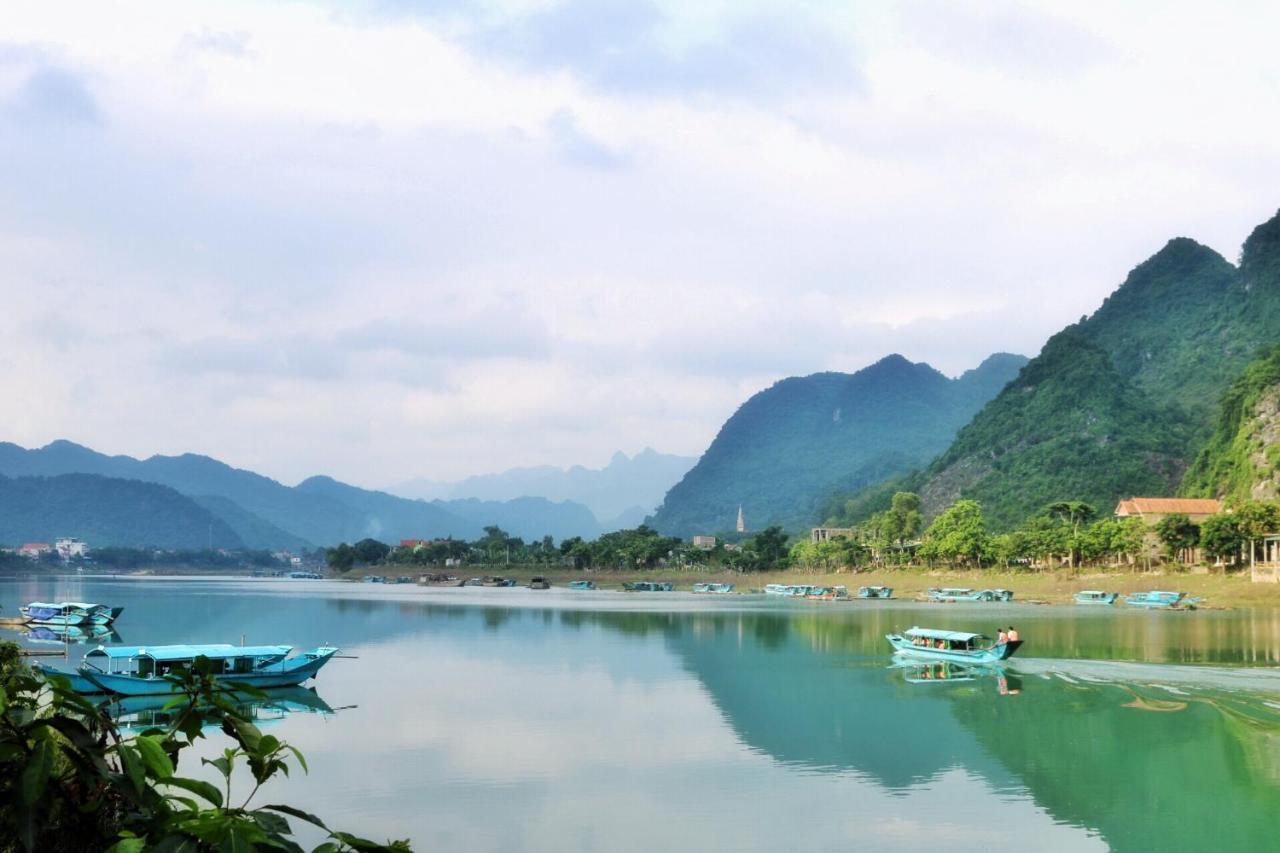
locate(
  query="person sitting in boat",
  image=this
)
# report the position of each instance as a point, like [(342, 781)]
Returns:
[(1012, 636), (1001, 637)]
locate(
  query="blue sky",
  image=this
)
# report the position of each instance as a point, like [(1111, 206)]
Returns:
[(385, 239)]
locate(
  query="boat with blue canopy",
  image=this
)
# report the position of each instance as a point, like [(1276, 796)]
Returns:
[(792, 590), (956, 594), (828, 593), (713, 588), (1161, 599), (959, 646), (875, 592), (141, 670), (68, 613), (648, 586), (1096, 596), (581, 585)]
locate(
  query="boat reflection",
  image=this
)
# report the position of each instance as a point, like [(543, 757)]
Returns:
[(71, 634), (933, 672), (136, 713)]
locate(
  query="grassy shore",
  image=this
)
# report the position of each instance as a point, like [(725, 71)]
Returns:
[(1217, 590)]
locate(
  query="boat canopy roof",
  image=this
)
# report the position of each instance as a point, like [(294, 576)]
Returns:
[(935, 634), (50, 605), (216, 650), (955, 589)]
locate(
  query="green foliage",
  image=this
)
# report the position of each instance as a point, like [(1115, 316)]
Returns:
[(788, 448), (1221, 536), (71, 781), (958, 534), (1178, 534), (1228, 464)]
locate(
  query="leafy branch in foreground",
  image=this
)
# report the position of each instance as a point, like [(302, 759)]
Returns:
[(71, 780)]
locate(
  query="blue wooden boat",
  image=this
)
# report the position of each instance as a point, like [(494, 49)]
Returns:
[(581, 585), (1160, 599), (1002, 595), (958, 646), (1096, 596), (648, 586), (957, 594), (875, 592), (141, 670), (62, 613), (793, 590), (713, 588), (828, 593)]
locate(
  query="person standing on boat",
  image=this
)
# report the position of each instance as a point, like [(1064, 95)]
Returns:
[(1013, 634)]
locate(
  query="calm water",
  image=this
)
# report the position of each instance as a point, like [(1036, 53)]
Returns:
[(518, 720)]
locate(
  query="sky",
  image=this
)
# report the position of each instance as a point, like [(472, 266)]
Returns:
[(384, 239)]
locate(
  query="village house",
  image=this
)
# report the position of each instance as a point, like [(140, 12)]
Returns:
[(1153, 510), (825, 534), (35, 550), (704, 543), (69, 546)]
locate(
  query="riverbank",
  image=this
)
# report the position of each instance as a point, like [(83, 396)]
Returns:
[(1216, 590)]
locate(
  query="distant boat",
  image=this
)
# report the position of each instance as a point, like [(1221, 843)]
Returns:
[(714, 588), (439, 580), (539, 583), (404, 579), (141, 670), (875, 592), (304, 575), (373, 579), (1163, 600), (958, 646), (1096, 596), (581, 585), (795, 590), (954, 594), (648, 586), (828, 593)]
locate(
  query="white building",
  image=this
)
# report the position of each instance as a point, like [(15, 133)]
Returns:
[(705, 543), (69, 546)]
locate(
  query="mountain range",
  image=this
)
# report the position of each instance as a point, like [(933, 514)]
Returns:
[(1123, 401), (620, 494), (790, 446), (245, 508)]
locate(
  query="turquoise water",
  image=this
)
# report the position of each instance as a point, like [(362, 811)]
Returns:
[(501, 720)]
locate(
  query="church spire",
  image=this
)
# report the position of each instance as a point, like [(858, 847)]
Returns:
[(742, 524)]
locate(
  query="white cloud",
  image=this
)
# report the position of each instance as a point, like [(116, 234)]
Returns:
[(381, 243)]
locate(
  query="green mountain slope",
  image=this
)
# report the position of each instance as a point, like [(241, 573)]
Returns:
[(106, 511), (1241, 460), (1119, 403), (789, 447)]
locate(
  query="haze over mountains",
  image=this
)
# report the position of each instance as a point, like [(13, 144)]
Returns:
[(191, 492), (1121, 402), (620, 494), (790, 446)]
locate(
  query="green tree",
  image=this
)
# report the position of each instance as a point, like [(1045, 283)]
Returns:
[(1221, 537), (370, 552), (1178, 535), (959, 534), (901, 523)]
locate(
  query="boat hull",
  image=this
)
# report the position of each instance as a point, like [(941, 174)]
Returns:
[(903, 646), (288, 673), (1107, 600)]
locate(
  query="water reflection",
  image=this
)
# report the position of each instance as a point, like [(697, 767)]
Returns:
[(68, 634), (138, 713), (608, 726)]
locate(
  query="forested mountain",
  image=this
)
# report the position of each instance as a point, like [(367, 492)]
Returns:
[(1241, 460), (1119, 403), (263, 513), (106, 511), (620, 494), (789, 447)]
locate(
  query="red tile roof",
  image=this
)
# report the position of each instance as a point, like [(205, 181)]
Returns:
[(1165, 506)]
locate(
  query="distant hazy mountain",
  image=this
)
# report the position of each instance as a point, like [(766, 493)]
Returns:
[(788, 448), (264, 513), (624, 491), (106, 511)]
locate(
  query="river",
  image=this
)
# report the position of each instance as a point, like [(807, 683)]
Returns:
[(511, 720)]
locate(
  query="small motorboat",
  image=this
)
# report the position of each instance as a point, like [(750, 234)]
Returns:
[(404, 579), (875, 592), (713, 588), (1096, 596), (141, 670), (439, 580), (373, 579), (958, 646), (648, 586), (539, 583), (62, 614), (489, 581), (1161, 600), (828, 593), (581, 585)]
